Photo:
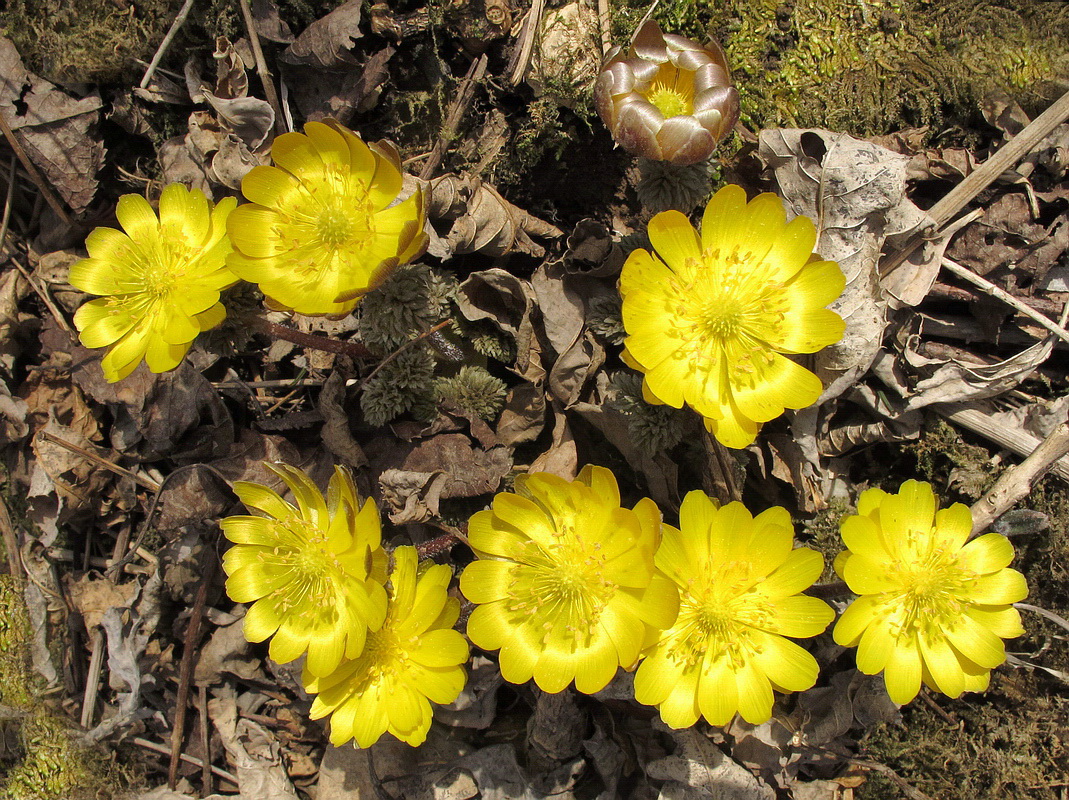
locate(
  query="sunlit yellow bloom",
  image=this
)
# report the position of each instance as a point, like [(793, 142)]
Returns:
[(709, 318), (321, 231), (158, 283), (566, 581), (313, 572), (739, 579), (932, 607), (414, 658)]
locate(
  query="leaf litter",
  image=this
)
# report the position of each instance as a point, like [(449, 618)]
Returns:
[(124, 599)]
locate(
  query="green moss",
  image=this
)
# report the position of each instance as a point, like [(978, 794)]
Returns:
[(871, 66), (822, 533), (17, 687), (654, 429), (946, 460), (1008, 743), (86, 40), (54, 767)]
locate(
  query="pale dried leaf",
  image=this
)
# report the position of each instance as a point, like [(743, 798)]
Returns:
[(855, 192), (91, 597), (327, 42), (250, 118), (411, 496), (700, 769), (252, 750)]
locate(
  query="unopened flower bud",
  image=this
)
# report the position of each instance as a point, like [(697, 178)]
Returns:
[(668, 97)]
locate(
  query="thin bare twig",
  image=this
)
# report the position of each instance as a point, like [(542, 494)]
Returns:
[(429, 332), (11, 545), (1016, 482), (261, 67), (5, 224), (205, 741), (457, 109), (986, 174), (1006, 297), (311, 340), (179, 21), (42, 185), (45, 298), (159, 748), (185, 672), (143, 482)]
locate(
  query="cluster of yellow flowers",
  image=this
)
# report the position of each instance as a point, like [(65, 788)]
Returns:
[(571, 586), (324, 228), (380, 643)]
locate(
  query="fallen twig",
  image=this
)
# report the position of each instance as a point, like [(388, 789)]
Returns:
[(457, 109), (311, 340), (45, 298), (1016, 482), (179, 21), (430, 332), (1007, 298), (261, 66), (1055, 618), (111, 466), (185, 672), (159, 748)]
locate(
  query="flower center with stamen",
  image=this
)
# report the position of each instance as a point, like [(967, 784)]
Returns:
[(334, 226), (672, 92), (929, 594)]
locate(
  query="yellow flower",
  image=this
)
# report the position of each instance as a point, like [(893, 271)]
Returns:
[(321, 231), (313, 572), (667, 98), (158, 283), (566, 581), (416, 656), (708, 319), (739, 581), (933, 605)]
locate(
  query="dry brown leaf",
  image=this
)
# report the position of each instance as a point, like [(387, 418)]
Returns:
[(319, 94), (54, 127), (483, 221), (524, 415), (327, 42), (506, 301), (91, 597), (269, 25), (561, 457)]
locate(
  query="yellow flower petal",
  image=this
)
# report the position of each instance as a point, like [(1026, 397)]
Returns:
[(261, 620), (755, 694), (1003, 622), (988, 553), (943, 665), (800, 617), (138, 219), (680, 709), (674, 239), (718, 692), (721, 216), (999, 588), (788, 666), (903, 674)]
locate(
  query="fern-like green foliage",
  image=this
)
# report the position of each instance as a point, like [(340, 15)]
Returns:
[(654, 429), (412, 300)]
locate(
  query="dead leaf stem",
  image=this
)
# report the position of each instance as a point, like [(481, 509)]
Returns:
[(159, 748), (179, 21), (401, 349), (311, 340)]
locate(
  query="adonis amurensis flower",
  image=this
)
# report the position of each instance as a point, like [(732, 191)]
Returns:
[(313, 572), (324, 227), (710, 318), (933, 606), (739, 579), (565, 581), (667, 97), (414, 659), (158, 283)]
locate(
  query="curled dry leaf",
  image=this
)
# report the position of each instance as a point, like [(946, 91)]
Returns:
[(701, 767), (483, 221), (506, 301), (91, 597), (252, 750), (411, 496), (53, 127)]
